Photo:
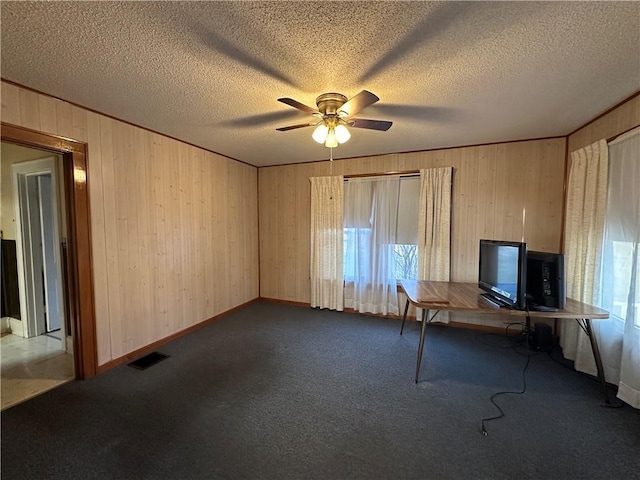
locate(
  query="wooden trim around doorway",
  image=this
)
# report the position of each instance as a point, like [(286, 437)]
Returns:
[(79, 288)]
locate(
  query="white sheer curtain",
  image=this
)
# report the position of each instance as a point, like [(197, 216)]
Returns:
[(602, 237), (434, 228), (584, 229), (621, 268), (370, 221), (327, 200)]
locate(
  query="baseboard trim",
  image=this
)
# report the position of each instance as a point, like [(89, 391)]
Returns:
[(411, 318), (158, 343), (4, 325), (284, 302)]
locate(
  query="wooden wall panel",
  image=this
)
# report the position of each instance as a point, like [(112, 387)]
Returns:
[(48, 117), (29, 107), (621, 119), (510, 191), (174, 228), (98, 228), (10, 100), (64, 119)]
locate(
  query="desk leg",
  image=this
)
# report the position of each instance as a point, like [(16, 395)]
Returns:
[(597, 358), (424, 328), (404, 317)]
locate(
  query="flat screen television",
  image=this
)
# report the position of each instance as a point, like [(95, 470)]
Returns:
[(545, 280), (503, 272)]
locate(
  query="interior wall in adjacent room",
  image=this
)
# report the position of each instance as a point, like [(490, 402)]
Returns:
[(10, 154), (174, 228), (508, 191)]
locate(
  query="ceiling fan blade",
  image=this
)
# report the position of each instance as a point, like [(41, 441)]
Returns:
[(300, 106), (381, 125), (293, 127), (357, 103)]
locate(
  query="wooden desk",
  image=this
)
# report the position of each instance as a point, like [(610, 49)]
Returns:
[(465, 297)]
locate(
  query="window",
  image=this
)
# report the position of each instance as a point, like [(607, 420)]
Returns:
[(382, 216), (620, 285), (380, 240), (406, 248), (619, 337), (406, 261), (358, 232), (356, 241), (617, 266)]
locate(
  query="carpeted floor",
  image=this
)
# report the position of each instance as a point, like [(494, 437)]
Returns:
[(282, 392)]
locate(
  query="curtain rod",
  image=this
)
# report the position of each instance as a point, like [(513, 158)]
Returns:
[(383, 174)]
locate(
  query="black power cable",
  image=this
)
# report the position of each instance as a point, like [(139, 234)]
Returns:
[(492, 398), (523, 336)]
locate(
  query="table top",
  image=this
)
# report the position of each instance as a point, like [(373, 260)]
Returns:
[(465, 297)]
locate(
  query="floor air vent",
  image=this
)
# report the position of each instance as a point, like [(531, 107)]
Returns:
[(148, 360)]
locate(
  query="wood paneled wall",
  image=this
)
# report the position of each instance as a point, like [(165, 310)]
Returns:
[(615, 122), (174, 228), (509, 191), (15, 154)]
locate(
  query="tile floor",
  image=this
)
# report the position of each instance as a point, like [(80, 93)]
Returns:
[(31, 366)]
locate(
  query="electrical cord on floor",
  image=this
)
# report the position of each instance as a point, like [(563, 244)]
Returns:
[(492, 398), (517, 341)]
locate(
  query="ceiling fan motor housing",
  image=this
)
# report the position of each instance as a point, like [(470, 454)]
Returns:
[(336, 111), (330, 103)]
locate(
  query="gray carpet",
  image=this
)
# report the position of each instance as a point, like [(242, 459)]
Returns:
[(283, 392)]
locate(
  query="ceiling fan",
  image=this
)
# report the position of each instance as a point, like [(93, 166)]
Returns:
[(334, 114)]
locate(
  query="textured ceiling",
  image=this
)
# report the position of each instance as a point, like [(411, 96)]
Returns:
[(447, 73)]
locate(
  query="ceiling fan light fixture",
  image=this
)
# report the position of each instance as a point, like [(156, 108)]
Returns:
[(332, 140), (342, 134), (320, 133)]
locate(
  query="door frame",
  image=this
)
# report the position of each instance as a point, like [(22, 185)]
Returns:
[(78, 263), (30, 232)]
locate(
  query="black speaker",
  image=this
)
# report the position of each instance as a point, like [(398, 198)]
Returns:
[(543, 337)]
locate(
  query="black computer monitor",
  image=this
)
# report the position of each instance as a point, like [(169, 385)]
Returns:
[(503, 272)]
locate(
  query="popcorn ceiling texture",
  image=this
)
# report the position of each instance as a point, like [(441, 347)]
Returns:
[(447, 73)]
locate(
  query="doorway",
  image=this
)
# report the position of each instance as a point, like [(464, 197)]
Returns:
[(76, 257), (36, 353)]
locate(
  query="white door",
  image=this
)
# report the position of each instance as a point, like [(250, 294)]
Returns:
[(38, 247), (50, 259)]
